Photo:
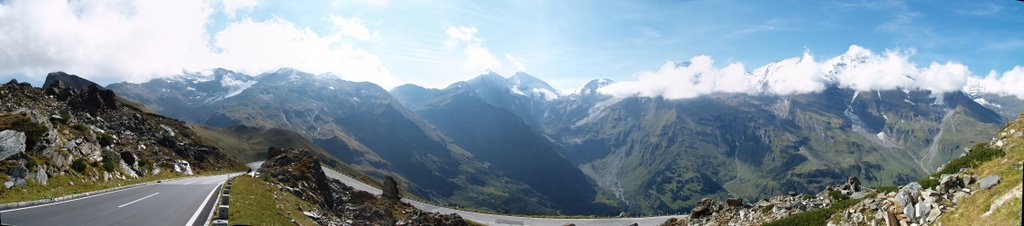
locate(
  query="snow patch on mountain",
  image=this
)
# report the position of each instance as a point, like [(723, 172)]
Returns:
[(235, 86), (527, 85)]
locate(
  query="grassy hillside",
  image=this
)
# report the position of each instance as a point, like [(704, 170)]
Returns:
[(256, 202), (1007, 193)]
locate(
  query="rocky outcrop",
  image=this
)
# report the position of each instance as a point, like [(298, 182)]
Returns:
[(390, 191), (988, 182), (11, 143), (735, 211), (912, 204), (75, 127), (299, 172)]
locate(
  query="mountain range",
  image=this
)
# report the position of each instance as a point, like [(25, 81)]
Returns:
[(516, 144)]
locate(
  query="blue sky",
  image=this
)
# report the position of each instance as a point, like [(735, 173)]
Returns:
[(568, 42)]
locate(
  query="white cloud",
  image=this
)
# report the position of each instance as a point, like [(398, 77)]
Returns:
[(102, 40), (258, 46), (379, 3), (231, 7), (857, 69), (874, 72), (791, 76), (477, 58), (1010, 83), (353, 27), (135, 41), (461, 33), (517, 61), (673, 81)]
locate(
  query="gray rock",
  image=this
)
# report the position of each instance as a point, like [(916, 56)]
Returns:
[(957, 196), (734, 202), (903, 199), (11, 143), (966, 180), (18, 172), (934, 214), (909, 211), (949, 181), (854, 183), (922, 209), (41, 176), (8, 184), (988, 182), (859, 194)]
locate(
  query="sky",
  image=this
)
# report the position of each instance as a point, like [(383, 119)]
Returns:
[(565, 42)]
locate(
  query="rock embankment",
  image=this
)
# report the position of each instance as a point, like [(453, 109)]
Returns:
[(298, 172), (73, 126), (735, 211)]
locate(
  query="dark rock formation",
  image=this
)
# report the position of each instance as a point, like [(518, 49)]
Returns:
[(61, 80), (390, 191), (95, 99), (704, 208), (298, 171)]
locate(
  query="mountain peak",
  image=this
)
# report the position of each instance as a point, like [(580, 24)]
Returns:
[(525, 84), (592, 86), (64, 80)]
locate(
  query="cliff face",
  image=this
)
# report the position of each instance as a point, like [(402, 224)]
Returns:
[(74, 127), (298, 171)]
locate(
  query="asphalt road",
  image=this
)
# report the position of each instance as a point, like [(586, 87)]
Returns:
[(173, 202), (494, 219)]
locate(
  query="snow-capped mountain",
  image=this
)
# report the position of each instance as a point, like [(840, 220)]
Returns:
[(527, 85), (181, 96), (592, 87)]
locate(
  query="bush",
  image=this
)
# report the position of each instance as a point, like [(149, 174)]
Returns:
[(109, 159), (807, 197), (979, 154), (30, 162), (81, 128), (106, 140), (768, 208), (78, 165), (837, 195), (928, 182)]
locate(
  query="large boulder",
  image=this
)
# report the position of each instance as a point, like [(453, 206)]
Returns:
[(11, 143), (39, 176), (704, 208), (95, 99), (988, 182)]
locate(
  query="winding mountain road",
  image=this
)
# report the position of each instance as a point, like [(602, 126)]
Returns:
[(185, 201), (494, 219)]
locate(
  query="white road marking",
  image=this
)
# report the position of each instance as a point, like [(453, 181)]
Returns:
[(71, 200), (137, 200), (200, 209)]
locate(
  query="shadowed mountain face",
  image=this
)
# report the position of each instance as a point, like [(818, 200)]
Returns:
[(362, 125), (514, 144), (504, 141)]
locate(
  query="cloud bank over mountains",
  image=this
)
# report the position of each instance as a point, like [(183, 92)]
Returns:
[(112, 41), (859, 69)]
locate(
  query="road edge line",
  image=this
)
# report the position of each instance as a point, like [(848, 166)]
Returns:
[(199, 210)]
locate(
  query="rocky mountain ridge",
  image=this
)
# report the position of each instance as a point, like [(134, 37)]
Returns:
[(648, 154)]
